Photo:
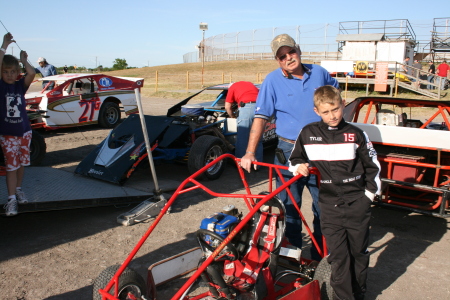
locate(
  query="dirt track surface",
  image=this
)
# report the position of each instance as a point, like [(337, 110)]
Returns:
[(57, 255)]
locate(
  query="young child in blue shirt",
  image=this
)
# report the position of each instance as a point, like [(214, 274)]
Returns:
[(15, 129)]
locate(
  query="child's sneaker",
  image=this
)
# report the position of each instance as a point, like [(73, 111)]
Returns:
[(11, 207), (21, 198)]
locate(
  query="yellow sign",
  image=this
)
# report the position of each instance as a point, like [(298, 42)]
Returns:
[(362, 66)]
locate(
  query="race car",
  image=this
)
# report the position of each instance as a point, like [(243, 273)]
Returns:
[(195, 134), (82, 99), (411, 137)]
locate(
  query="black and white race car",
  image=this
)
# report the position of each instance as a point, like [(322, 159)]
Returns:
[(195, 134)]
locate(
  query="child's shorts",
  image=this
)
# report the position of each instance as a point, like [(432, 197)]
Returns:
[(16, 150)]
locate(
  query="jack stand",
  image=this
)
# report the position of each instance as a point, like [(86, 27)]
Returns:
[(147, 209)]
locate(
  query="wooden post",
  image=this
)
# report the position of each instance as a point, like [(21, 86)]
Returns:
[(223, 77), (187, 81), (156, 84), (346, 84), (396, 86), (367, 86), (202, 79)]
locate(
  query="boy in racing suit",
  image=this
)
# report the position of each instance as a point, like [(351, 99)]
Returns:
[(349, 181)]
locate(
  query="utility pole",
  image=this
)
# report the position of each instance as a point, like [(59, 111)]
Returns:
[(203, 27)]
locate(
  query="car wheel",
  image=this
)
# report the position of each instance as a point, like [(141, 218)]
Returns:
[(38, 148), (323, 275), (131, 284), (205, 149), (109, 115)]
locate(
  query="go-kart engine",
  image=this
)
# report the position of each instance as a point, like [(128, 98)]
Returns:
[(222, 222)]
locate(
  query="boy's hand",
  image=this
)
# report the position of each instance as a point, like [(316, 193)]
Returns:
[(300, 169), (303, 169), (7, 39), (23, 56)]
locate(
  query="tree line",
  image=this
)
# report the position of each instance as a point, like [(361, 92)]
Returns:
[(118, 64)]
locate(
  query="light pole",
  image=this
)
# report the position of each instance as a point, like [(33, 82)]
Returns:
[(203, 27)]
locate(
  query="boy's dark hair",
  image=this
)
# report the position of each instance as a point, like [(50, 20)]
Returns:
[(327, 94), (10, 61)]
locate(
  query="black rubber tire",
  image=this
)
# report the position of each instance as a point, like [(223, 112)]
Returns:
[(38, 148), (129, 281), (323, 275), (205, 149), (109, 115)]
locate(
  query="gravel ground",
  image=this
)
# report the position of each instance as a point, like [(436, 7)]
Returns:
[(58, 254)]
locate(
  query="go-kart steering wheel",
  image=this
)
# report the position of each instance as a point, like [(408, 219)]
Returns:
[(229, 252)]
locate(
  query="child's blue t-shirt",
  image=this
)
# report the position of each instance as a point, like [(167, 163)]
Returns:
[(13, 114)]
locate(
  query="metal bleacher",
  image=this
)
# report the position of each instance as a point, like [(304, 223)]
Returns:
[(440, 39)]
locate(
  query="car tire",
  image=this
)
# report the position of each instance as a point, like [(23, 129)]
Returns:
[(109, 115), (323, 275), (129, 282), (205, 149), (38, 148)]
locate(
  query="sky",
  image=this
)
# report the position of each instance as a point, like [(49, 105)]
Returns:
[(156, 32)]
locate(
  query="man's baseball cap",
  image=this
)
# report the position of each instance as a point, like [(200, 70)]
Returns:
[(280, 41), (40, 59)]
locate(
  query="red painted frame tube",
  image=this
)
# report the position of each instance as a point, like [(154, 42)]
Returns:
[(248, 198)]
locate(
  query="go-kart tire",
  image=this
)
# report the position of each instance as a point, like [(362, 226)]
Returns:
[(323, 275), (38, 148), (205, 149), (129, 281), (109, 115)]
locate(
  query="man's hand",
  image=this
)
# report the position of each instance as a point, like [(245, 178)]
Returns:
[(246, 161)]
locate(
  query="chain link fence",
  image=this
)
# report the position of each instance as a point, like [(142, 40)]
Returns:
[(317, 42)]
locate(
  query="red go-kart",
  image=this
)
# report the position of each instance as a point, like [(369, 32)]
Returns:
[(240, 256)]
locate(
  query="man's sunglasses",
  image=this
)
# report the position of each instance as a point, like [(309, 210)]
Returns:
[(283, 57)]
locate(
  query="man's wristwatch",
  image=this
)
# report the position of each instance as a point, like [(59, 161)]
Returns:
[(3, 49)]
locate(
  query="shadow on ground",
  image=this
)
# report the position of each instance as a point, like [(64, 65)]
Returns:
[(398, 238)]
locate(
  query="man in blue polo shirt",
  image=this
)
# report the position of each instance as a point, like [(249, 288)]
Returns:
[(287, 93)]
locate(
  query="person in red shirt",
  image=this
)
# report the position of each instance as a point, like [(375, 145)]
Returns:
[(443, 70), (244, 94)]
